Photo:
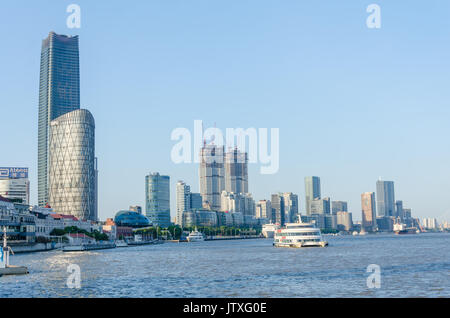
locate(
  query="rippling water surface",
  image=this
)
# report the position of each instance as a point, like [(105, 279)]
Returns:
[(411, 266)]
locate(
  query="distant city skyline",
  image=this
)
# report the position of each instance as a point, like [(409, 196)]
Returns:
[(375, 101)]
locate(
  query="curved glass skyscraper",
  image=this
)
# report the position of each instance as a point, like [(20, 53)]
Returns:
[(59, 93), (72, 165)]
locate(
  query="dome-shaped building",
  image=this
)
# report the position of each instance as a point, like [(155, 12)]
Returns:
[(131, 219)]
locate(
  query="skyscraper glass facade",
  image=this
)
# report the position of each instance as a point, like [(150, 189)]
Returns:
[(385, 198), (312, 192), (59, 93), (72, 165), (157, 199)]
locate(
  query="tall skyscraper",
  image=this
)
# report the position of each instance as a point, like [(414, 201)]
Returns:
[(59, 93), (157, 199), (369, 217), (72, 165), (338, 206), (312, 192), (399, 209), (183, 200), (278, 209), (211, 173), (385, 198), (291, 207), (236, 171)]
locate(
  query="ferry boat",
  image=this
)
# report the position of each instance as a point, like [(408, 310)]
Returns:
[(195, 236), (299, 235), (400, 228), (268, 230), (5, 267)]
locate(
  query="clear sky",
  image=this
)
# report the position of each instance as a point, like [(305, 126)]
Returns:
[(352, 103)]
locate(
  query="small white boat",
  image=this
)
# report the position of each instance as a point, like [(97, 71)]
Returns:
[(299, 235), (121, 243), (195, 236)]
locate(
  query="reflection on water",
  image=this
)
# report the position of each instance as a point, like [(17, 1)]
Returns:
[(411, 266)]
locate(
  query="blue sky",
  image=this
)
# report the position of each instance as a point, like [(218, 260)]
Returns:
[(352, 103)]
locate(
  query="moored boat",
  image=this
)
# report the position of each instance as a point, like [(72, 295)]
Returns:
[(195, 236)]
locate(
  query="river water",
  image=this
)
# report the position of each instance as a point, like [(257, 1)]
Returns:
[(410, 266)]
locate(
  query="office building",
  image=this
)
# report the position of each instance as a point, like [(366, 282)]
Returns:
[(14, 184), (237, 202), (211, 173), (278, 209), (72, 165), (264, 210), (369, 217), (157, 199), (430, 223), (320, 206), (183, 203), (385, 198), (312, 192), (236, 171), (344, 221), (59, 93), (291, 207), (399, 209), (338, 206)]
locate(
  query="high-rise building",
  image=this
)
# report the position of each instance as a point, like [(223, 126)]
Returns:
[(237, 202), (195, 200), (236, 171), (399, 209), (14, 184), (183, 200), (312, 192), (59, 93), (157, 199), (385, 198), (430, 223), (211, 173), (291, 207), (369, 217), (344, 221), (264, 210), (72, 165), (278, 209), (338, 206), (320, 206)]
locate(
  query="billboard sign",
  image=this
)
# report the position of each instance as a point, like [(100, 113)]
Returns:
[(13, 172)]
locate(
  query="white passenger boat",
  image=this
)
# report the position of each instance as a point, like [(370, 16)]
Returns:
[(268, 230), (299, 235), (195, 236)]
